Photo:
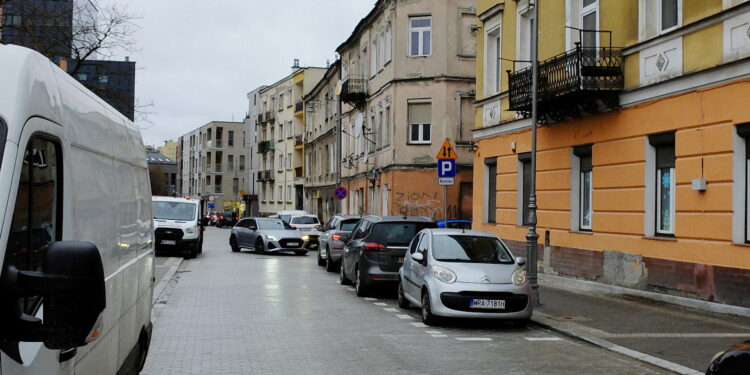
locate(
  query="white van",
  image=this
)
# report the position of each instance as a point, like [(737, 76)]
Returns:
[(178, 225), (76, 231)]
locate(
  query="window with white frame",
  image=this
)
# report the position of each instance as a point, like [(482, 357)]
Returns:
[(370, 140), (280, 194), (525, 31), (664, 147), (331, 159), (669, 12), (281, 101), (381, 49), (289, 161), (386, 128), (420, 123), (290, 129), (281, 132), (589, 21), (492, 61), (388, 44), (420, 36), (585, 189), (490, 189), (289, 193), (281, 161), (289, 95), (374, 57)]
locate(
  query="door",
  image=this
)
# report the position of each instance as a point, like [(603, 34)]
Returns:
[(248, 233), (353, 248), (408, 284), (418, 268), (36, 199)]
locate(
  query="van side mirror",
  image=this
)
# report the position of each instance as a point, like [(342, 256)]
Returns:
[(417, 256), (73, 299), (521, 261)]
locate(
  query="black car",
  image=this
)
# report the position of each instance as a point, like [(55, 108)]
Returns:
[(227, 218), (376, 250), (733, 361)]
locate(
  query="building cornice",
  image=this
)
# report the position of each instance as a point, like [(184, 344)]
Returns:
[(491, 12)]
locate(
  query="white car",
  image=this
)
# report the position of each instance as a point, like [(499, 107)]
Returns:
[(309, 225), (177, 225), (76, 224), (286, 215), (464, 274)]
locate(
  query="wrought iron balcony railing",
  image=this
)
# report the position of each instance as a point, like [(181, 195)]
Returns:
[(265, 146), (354, 91), (582, 80)]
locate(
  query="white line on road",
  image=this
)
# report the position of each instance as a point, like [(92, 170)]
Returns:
[(433, 332), (674, 335), (420, 325), (473, 339), (404, 316), (439, 335), (543, 339), (380, 304), (390, 309)]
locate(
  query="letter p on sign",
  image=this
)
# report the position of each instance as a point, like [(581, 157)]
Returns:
[(446, 168)]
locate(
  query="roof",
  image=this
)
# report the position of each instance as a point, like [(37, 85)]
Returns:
[(364, 22), (174, 199), (381, 219), (156, 157), (330, 74)]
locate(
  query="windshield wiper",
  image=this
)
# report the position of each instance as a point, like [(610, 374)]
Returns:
[(455, 260)]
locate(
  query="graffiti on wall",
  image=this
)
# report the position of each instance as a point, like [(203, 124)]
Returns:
[(429, 204)]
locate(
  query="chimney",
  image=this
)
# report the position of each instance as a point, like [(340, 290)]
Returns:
[(127, 58), (296, 64)]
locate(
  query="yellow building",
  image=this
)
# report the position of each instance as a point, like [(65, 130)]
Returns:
[(642, 169), (169, 149)]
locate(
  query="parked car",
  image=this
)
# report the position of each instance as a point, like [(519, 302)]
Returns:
[(333, 239), (286, 215), (227, 218), (176, 225), (77, 227), (733, 361), (309, 225), (462, 273), (455, 224), (376, 250), (267, 235)]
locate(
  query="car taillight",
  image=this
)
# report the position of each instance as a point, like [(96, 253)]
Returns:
[(372, 246), (336, 237), (293, 226)]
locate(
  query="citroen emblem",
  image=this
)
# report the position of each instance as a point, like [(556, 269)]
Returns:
[(485, 279)]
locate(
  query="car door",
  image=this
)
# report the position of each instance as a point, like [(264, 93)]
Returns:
[(250, 232), (354, 247), (239, 233), (34, 175), (418, 269), (327, 231), (406, 269)]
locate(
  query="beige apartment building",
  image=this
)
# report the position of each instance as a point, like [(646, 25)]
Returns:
[(280, 144), (321, 146), (407, 84), (211, 162)]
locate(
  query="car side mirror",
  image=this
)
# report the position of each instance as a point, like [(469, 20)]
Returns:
[(73, 298), (417, 256), (521, 261), (345, 238)]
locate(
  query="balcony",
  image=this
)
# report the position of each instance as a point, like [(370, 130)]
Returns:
[(298, 172), (270, 116), (298, 140), (572, 84), (261, 119), (214, 144), (265, 146), (298, 107), (354, 91), (268, 175)]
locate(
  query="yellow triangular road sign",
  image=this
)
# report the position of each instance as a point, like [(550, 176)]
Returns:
[(446, 151)]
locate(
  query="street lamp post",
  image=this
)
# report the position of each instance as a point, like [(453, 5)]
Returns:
[(532, 238)]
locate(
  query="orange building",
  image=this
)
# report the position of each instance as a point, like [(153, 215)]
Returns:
[(642, 163)]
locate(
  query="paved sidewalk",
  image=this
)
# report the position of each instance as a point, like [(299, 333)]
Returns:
[(680, 339)]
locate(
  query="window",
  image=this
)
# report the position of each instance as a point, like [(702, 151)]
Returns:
[(419, 123), (280, 135), (289, 95), (669, 14), (381, 49), (490, 184), (230, 163), (289, 161), (589, 21), (230, 139), (370, 139), (37, 215), (525, 30), (665, 182), (281, 161), (235, 186), (281, 101), (386, 135), (280, 195), (374, 58), (388, 44), (585, 190), (290, 129), (492, 61), (420, 35), (289, 193), (525, 172), (242, 163)]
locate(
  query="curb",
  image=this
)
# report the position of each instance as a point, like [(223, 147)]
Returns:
[(162, 284), (571, 330)]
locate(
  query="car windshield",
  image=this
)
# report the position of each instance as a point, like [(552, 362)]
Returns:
[(271, 224), (349, 225), (174, 210), (470, 249), (3, 134), (305, 220), (397, 234), (459, 225)]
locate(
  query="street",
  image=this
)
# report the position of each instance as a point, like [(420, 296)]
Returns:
[(244, 313)]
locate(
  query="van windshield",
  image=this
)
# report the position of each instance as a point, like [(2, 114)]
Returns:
[(3, 134), (174, 210)]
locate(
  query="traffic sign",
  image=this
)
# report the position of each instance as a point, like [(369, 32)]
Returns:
[(446, 151), (211, 205), (445, 181), (446, 168), (340, 193), (211, 198)]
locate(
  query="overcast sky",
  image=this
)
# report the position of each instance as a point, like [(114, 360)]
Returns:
[(198, 59)]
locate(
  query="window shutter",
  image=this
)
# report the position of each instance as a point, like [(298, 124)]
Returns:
[(743, 130), (584, 154), (665, 156), (419, 113)]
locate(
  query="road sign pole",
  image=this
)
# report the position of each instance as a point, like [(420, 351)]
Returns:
[(445, 206)]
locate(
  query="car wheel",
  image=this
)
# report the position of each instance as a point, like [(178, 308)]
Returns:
[(342, 276), (321, 261), (359, 287), (330, 265), (301, 252), (402, 301), (233, 244), (427, 316), (259, 246)]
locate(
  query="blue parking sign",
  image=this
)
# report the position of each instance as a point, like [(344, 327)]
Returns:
[(446, 168), (211, 205)]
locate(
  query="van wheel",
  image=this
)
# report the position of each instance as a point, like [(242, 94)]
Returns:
[(190, 253), (427, 317), (233, 244), (402, 301), (143, 346)]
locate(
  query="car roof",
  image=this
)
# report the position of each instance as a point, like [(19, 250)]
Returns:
[(466, 232), (345, 217), (386, 219)]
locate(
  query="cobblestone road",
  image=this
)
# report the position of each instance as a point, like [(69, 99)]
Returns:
[(245, 313)]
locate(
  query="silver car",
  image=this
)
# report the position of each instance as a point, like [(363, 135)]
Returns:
[(464, 273), (267, 235), (333, 239)]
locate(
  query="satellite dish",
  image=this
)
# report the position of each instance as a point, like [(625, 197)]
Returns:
[(339, 86), (359, 121)]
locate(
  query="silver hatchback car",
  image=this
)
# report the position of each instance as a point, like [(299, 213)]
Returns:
[(464, 273)]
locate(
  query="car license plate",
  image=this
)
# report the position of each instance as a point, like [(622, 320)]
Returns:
[(292, 243), (168, 242), (400, 260), (498, 304)]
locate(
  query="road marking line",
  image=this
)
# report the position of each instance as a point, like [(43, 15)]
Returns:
[(439, 335), (473, 339), (420, 325), (370, 299), (674, 335), (380, 304), (390, 309), (404, 316), (433, 332), (543, 339)]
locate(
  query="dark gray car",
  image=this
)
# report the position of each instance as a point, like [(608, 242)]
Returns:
[(267, 235), (376, 250), (333, 239)]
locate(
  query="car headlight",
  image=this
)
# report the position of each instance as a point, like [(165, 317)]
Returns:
[(190, 230), (519, 277), (305, 238), (272, 238), (443, 274)]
